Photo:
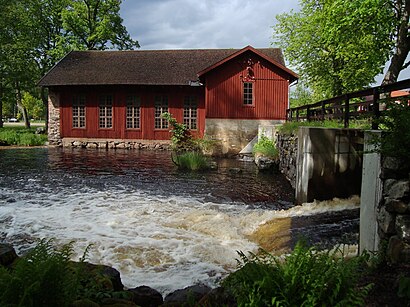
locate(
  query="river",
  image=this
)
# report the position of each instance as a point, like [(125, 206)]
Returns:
[(158, 226)]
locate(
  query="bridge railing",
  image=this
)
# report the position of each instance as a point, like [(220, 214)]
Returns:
[(368, 103)]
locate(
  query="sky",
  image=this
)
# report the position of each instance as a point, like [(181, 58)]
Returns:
[(202, 24)]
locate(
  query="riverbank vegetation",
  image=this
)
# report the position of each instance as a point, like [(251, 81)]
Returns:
[(266, 147), (292, 127), (20, 136), (187, 151)]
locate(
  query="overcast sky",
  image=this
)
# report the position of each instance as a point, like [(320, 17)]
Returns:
[(187, 24), (193, 24)]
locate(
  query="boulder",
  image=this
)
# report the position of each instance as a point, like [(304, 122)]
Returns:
[(191, 294), (7, 254), (386, 221), (218, 297), (266, 163), (145, 296)]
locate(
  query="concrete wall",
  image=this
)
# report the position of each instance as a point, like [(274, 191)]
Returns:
[(232, 135), (329, 163)]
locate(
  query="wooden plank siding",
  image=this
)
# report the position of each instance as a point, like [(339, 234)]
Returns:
[(224, 90), (147, 94)]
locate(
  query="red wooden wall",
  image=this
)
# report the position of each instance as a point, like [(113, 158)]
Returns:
[(147, 129), (224, 94)]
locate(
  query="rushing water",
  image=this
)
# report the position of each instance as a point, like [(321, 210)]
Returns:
[(158, 226)]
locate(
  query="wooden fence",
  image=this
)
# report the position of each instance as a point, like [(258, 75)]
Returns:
[(367, 103)]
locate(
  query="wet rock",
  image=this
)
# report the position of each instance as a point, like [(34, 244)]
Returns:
[(107, 277), (217, 297), (192, 294), (213, 165), (145, 296), (396, 206), (386, 221), (116, 302), (235, 170), (7, 254), (403, 227)]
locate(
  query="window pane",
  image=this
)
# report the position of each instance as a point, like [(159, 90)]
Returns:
[(105, 111), (78, 109), (190, 112), (161, 106), (247, 93), (133, 112)]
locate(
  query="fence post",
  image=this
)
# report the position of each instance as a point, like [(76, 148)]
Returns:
[(323, 110), (308, 113), (347, 111), (376, 110)]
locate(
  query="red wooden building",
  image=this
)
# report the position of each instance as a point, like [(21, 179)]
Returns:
[(103, 96)]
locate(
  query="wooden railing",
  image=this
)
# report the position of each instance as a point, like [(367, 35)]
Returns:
[(367, 103)]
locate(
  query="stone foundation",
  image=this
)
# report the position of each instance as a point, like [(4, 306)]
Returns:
[(232, 135), (54, 136), (116, 144)]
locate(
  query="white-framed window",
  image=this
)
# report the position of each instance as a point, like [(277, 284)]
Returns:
[(78, 111), (133, 113), (190, 112), (105, 111), (248, 93), (161, 106)]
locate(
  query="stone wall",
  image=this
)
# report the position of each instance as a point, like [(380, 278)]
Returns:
[(393, 212), (116, 144), (288, 153), (54, 136)]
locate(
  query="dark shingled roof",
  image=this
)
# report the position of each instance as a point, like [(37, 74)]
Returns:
[(148, 67)]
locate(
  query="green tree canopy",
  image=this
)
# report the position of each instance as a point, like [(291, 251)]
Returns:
[(97, 25), (337, 46)]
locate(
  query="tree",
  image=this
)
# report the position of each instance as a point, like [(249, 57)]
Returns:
[(401, 36), (300, 95), (97, 25), (337, 46)]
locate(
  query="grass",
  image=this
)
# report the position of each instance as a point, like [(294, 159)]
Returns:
[(265, 147), (292, 127), (21, 136), (190, 160)]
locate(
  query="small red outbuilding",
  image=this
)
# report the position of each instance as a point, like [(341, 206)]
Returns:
[(119, 96)]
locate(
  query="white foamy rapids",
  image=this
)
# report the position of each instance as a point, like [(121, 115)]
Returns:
[(166, 243)]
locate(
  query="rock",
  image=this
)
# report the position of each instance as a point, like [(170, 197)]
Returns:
[(397, 189), (77, 144), (92, 145), (213, 165), (145, 296), (394, 249), (40, 130), (386, 221), (107, 277), (7, 254), (403, 227), (116, 302), (265, 163), (235, 170), (217, 297), (192, 294), (396, 206)]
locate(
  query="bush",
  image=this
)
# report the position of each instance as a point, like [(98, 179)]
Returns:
[(21, 136), (266, 147), (396, 122), (307, 277), (42, 278), (190, 160)]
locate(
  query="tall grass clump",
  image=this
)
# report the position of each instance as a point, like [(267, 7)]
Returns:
[(190, 160), (306, 277), (293, 126), (266, 147), (21, 136)]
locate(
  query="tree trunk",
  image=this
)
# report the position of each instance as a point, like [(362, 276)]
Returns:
[(402, 44), (21, 106)]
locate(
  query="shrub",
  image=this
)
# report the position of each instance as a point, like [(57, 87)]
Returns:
[(396, 122), (181, 138), (42, 278), (21, 136), (190, 160), (265, 147), (307, 277)]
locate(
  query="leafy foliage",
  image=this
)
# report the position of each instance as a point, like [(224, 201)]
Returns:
[(396, 122), (42, 278), (292, 127), (307, 277), (181, 138), (21, 136), (337, 46), (266, 147)]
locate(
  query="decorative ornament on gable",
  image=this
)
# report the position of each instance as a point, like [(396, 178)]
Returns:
[(249, 72)]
